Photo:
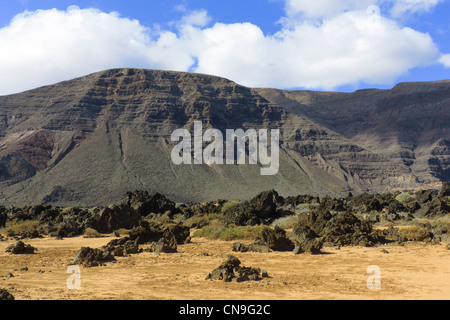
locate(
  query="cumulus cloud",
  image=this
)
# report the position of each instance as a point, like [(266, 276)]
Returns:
[(445, 60), (350, 44), (45, 46), (346, 49)]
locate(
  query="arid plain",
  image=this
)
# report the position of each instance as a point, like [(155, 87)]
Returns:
[(410, 271)]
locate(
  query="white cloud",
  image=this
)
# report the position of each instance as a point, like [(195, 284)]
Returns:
[(347, 49), (400, 7), (199, 18), (45, 46), (330, 8), (445, 60), (324, 8), (48, 46)]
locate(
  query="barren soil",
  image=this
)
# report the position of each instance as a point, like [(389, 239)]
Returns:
[(408, 272)]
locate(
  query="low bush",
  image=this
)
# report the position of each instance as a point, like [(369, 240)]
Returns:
[(227, 205), (24, 226), (404, 197), (230, 233)]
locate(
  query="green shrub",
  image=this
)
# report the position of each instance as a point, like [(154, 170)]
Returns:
[(24, 226), (91, 233), (404, 197), (416, 233), (229, 204), (285, 222), (230, 233)]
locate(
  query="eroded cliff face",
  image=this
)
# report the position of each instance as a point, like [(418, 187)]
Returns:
[(89, 140), (408, 125)]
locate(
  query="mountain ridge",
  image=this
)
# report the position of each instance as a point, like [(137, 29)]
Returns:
[(88, 140)]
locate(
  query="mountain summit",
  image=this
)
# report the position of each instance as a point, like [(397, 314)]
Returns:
[(89, 140)]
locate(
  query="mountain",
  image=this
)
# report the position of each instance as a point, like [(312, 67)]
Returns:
[(408, 125), (89, 140)]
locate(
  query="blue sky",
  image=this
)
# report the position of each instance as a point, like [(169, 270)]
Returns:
[(295, 44)]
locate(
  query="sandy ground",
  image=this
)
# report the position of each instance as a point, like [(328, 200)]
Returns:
[(409, 272)]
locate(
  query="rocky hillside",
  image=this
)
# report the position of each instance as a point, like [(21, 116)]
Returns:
[(89, 140), (409, 125)]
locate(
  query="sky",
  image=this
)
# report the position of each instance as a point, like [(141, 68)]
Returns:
[(324, 45)]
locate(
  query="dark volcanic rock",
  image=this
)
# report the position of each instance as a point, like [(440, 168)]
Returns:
[(262, 208), (445, 190), (257, 246), (265, 204), (113, 218), (345, 229), (230, 270), (339, 229), (164, 245), (151, 232), (424, 196), (305, 240), (5, 295), (21, 248), (3, 217), (275, 239), (269, 240), (89, 257), (121, 247), (331, 204), (146, 203), (163, 238)]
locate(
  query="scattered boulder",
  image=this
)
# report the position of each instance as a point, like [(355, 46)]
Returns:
[(294, 201), (20, 248), (424, 196), (269, 240), (113, 218), (331, 204), (121, 247), (230, 270), (149, 231), (163, 245), (262, 208), (275, 239), (162, 238), (5, 295), (265, 204), (316, 220), (338, 229), (365, 202), (253, 247), (437, 207), (146, 203), (305, 240), (202, 209), (345, 229), (89, 257)]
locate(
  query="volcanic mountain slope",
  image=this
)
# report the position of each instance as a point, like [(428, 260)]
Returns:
[(409, 124), (89, 140)]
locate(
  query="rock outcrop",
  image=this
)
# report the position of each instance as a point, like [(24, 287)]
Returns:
[(231, 270)]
